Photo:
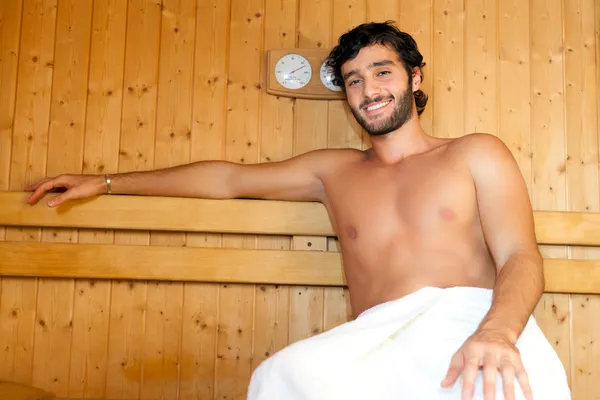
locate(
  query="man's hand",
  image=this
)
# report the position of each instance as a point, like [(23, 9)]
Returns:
[(78, 187), (491, 351)]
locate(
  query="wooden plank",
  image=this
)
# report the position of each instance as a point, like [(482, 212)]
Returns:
[(240, 216), (10, 32), (52, 345), (162, 343), (514, 76), (297, 267), (272, 302), (581, 103), (415, 18), (28, 162), (549, 146), (384, 10), (481, 83), (136, 152), (170, 214), (448, 68), (242, 138), (91, 310), (315, 30), (10, 29), (200, 303)]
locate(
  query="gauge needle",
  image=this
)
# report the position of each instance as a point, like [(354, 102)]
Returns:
[(298, 69)]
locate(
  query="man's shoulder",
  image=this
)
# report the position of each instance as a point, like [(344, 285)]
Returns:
[(480, 148), (484, 154)]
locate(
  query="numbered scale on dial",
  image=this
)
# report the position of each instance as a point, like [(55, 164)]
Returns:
[(293, 71)]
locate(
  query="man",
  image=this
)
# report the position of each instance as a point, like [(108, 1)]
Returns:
[(436, 235)]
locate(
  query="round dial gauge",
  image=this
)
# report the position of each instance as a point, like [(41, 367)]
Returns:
[(293, 71), (326, 74)]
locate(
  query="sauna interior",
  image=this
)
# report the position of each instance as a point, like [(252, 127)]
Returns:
[(106, 86)]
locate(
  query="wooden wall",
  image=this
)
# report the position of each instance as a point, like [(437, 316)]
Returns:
[(113, 85)]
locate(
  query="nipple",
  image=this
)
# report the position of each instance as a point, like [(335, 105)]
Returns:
[(352, 233)]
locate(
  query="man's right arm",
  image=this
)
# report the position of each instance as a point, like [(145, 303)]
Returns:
[(296, 179)]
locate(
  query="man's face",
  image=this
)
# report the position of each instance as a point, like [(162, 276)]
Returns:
[(377, 89)]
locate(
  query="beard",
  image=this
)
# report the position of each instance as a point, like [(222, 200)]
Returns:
[(400, 114)]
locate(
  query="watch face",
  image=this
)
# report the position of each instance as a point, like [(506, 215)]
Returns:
[(293, 71), (326, 74)]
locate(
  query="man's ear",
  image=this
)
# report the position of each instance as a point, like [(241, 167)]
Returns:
[(417, 78)]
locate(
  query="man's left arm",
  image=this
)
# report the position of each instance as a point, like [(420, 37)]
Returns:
[(508, 226)]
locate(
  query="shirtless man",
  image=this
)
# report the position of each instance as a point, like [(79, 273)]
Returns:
[(410, 212)]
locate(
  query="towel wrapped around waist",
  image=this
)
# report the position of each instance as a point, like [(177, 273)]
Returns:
[(401, 349)]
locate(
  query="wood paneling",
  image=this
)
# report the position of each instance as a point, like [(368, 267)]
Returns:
[(105, 86)]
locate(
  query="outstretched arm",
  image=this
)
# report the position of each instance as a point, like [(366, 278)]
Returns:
[(296, 179), (508, 226)]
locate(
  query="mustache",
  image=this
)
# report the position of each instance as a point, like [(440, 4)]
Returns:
[(377, 99)]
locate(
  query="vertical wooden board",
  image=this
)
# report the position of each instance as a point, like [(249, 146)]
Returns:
[(28, 163), (547, 119), (126, 335), (343, 131), (87, 377), (199, 335), (10, 30), (586, 350), (448, 96), (553, 315), (271, 309), (200, 304), (136, 153), (34, 89), (310, 131), (52, 343), (384, 10), (17, 312), (306, 303), (236, 302), (548, 130), (481, 55), (581, 102), (416, 19), (101, 152), (162, 344), (514, 80)]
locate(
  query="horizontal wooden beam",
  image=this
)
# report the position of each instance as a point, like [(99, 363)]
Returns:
[(267, 217), (170, 263), (241, 216), (189, 264)]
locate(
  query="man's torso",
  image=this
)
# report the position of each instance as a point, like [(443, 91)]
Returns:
[(407, 225)]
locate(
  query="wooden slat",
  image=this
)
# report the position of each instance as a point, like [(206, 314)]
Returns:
[(240, 216), (170, 214), (167, 263)]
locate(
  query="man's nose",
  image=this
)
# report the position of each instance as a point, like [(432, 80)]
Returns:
[(371, 89)]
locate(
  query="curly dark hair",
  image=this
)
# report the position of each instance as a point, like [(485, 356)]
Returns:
[(384, 33)]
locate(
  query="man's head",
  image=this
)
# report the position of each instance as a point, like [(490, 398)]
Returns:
[(379, 68)]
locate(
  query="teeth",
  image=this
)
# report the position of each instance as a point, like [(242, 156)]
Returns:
[(376, 106)]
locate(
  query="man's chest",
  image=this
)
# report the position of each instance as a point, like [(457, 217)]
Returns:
[(401, 200)]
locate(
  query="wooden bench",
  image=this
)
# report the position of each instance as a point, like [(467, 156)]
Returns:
[(264, 217), (229, 265)]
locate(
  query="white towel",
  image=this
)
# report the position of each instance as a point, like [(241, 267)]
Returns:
[(401, 349)]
